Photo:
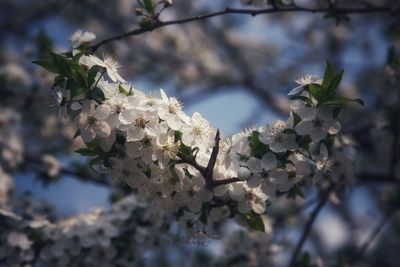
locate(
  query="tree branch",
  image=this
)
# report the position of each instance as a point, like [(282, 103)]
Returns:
[(252, 12), (226, 181), (374, 234), (323, 200), (214, 155)]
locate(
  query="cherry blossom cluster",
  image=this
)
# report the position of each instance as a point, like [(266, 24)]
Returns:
[(181, 163), (98, 238), (11, 146)]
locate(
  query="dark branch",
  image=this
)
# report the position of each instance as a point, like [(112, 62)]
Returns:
[(364, 248), (252, 12), (226, 181), (214, 155), (323, 200), (207, 172)]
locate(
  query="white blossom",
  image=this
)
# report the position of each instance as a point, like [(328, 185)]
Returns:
[(109, 63), (79, 37), (275, 137), (91, 121), (198, 133), (317, 123)]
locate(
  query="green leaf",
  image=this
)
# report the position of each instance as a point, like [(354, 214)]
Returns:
[(294, 192), (304, 141), (296, 118), (47, 65), (184, 149), (95, 161), (78, 73), (341, 101), (123, 91), (97, 95), (173, 173), (75, 88), (148, 5), (204, 217), (77, 133), (331, 88), (354, 100), (92, 73), (331, 81), (87, 152), (254, 221), (329, 74), (258, 149), (61, 64), (317, 91)]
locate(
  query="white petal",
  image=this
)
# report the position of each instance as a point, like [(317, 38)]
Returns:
[(126, 116), (269, 161), (253, 181), (304, 127), (102, 112), (317, 134), (333, 126), (102, 129), (277, 147), (258, 207), (174, 122), (135, 133), (306, 112), (76, 106), (164, 97), (296, 91)]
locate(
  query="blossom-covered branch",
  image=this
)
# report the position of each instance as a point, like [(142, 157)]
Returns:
[(181, 163), (331, 10)]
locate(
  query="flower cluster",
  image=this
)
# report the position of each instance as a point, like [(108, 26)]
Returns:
[(98, 238), (179, 162)]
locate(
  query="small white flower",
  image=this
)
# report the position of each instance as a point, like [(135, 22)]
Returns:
[(167, 181), (143, 149), (249, 199), (193, 194), (167, 148), (278, 141), (317, 123), (260, 168), (79, 37), (324, 165), (91, 121), (303, 81), (198, 133), (109, 63), (137, 124), (170, 110)]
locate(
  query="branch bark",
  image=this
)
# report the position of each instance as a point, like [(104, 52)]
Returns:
[(251, 12), (307, 229)]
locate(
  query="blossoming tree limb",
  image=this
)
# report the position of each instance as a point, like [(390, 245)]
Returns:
[(183, 165)]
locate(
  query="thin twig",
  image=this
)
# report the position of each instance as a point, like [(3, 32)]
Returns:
[(252, 12), (214, 155), (323, 200), (226, 181), (364, 248)]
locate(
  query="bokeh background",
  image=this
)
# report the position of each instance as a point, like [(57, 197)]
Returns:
[(236, 71)]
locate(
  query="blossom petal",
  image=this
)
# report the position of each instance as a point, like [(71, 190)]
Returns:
[(304, 127)]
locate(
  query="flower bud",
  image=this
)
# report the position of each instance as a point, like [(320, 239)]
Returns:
[(139, 11), (168, 3)]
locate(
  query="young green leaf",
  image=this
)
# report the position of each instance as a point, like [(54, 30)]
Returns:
[(47, 65), (258, 149), (254, 221)]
